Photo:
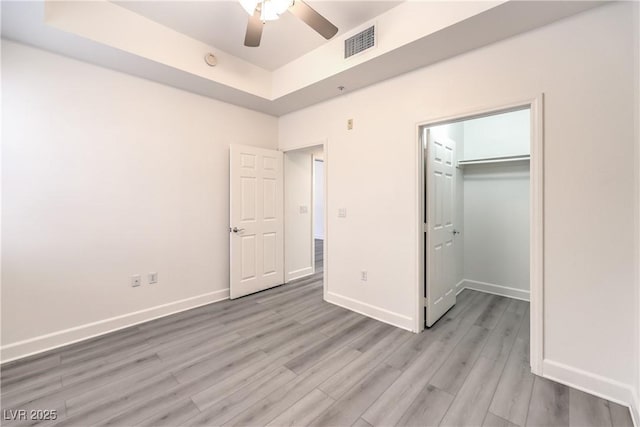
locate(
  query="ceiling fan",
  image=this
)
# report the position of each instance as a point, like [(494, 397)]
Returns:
[(261, 11)]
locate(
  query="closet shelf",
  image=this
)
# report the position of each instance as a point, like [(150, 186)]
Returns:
[(488, 160)]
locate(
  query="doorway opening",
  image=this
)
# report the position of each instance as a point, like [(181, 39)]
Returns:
[(318, 211), (480, 215), (304, 213)]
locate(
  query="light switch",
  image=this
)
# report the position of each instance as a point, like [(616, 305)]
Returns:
[(342, 213)]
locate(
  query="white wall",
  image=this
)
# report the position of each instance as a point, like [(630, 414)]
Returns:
[(298, 206), (496, 205), (506, 134), (104, 176), (584, 66), (318, 202), (496, 225)]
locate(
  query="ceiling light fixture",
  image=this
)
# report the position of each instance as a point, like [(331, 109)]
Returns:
[(261, 11), (270, 10)]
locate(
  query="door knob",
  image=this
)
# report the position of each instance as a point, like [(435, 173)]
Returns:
[(454, 232), (236, 229)]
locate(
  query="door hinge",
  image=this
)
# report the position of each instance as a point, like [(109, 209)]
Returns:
[(426, 302)]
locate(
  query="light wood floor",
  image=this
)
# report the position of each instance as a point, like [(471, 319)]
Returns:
[(285, 357)]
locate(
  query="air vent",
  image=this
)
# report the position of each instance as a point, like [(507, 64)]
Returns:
[(360, 42)]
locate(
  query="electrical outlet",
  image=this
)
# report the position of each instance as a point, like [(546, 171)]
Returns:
[(136, 280), (304, 209), (153, 278), (349, 124), (342, 213), (363, 275)]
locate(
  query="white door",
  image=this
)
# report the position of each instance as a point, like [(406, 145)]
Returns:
[(440, 254), (256, 220)]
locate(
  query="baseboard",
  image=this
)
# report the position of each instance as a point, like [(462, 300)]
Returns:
[(459, 287), (596, 385), (491, 288), (386, 316), (297, 274), (635, 409), (21, 349)]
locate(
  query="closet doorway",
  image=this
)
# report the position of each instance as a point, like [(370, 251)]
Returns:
[(481, 222)]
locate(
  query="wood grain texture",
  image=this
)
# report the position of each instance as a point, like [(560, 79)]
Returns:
[(586, 410), (304, 410), (284, 357), (492, 420), (472, 401), (511, 400), (620, 415), (353, 403), (549, 404), (454, 371), (427, 409)]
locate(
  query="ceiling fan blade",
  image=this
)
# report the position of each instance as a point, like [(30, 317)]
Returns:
[(313, 19), (254, 30)]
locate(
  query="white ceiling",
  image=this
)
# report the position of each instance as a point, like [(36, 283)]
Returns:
[(222, 24), (412, 35)]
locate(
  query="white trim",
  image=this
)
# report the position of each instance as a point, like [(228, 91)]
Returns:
[(459, 288), (588, 382), (381, 314), (536, 234), (492, 288), (635, 408), (536, 182), (420, 295), (298, 274), (31, 346)]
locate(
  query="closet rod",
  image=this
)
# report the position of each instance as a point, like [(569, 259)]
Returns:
[(494, 160)]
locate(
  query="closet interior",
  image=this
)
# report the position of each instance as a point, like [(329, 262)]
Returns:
[(486, 247)]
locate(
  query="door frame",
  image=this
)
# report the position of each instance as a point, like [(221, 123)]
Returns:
[(536, 213), (325, 190)]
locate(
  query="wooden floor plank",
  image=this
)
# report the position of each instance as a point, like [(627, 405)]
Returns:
[(494, 311), (392, 404), (361, 423), (492, 420), (502, 337), (455, 369), (173, 415), (233, 404), (267, 409), (304, 410), (320, 350), (586, 410), (355, 371), (286, 357), (511, 400), (620, 415), (470, 406), (354, 402), (549, 404), (427, 409)]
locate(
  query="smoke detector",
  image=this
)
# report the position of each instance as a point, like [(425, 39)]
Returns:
[(210, 59)]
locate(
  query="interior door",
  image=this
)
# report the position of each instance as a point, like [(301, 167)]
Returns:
[(256, 220), (440, 231)]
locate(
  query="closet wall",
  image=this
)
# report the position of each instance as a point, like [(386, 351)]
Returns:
[(496, 205)]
